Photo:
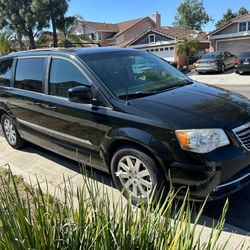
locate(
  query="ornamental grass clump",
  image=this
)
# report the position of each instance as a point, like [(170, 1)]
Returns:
[(88, 218)]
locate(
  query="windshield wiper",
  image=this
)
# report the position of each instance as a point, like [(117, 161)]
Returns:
[(136, 94)]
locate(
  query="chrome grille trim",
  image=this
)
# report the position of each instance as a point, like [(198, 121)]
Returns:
[(243, 134)]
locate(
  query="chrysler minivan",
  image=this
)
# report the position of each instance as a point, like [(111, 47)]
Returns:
[(129, 113)]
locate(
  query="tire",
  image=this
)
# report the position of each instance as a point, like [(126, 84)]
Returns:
[(11, 133), (126, 166), (237, 72), (222, 68)]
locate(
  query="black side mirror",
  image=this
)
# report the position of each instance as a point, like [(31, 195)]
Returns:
[(80, 94)]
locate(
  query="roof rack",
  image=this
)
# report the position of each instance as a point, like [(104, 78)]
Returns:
[(65, 45)]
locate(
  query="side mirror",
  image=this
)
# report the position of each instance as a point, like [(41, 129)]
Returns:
[(80, 94)]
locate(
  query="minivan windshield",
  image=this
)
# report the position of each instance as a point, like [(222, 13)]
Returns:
[(134, 74)]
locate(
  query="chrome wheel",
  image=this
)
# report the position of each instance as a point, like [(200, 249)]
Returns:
[(10, 131), (134, 176)]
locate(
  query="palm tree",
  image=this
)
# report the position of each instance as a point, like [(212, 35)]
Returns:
[(186, 46), (5, 43)]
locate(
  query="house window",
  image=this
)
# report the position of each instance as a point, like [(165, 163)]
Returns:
[(171, 48), (151, 38), (161, 49), (152, 50), (242, 26), (156, 49), (166, 48)]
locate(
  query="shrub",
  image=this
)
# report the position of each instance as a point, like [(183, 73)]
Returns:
[(31, 219)]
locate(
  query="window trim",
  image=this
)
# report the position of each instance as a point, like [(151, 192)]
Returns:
[(151, 35), (247, 26), (13, 78), (48, 73)]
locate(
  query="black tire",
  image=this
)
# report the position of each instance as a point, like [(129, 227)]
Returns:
[(223, 68), (237, 72), (155, 177), (11, 135)]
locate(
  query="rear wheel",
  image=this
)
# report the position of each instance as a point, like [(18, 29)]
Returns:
[(222, 68), (137, 175), (11, 133)]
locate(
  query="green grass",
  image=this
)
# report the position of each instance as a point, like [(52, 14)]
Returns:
[(31, 219)]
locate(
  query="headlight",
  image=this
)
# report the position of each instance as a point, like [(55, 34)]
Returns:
[(201, 140)]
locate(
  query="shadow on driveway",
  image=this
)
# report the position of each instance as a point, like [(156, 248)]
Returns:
[(238, 214)]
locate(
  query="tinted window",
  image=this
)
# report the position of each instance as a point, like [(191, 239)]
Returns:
[(5, 71), (63, 76), (135, 72), (30, 74)]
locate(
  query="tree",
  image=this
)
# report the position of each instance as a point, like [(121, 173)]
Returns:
[(242, 11), (5, 43), (19, 17), (51, 10), (191, 14), (229, 15), (186, 46), (64, 25)]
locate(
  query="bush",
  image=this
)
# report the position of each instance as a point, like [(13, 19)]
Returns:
[(31, 219)]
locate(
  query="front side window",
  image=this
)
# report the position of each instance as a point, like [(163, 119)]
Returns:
[(134, 74), (30, 73), (63, 76), (242, 26), (5, 72)]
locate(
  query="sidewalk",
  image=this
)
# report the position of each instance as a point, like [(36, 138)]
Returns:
[(35, 164)]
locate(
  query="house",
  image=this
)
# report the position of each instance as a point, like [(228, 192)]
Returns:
[(143, 33), (233, 37), (162, 41), (117, 34)]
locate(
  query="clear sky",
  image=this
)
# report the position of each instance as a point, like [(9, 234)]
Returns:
[(112, 11)]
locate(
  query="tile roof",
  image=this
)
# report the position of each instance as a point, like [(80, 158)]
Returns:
[(108, 27), (181, 32), (124, 26)]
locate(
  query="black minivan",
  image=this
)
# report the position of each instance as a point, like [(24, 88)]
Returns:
[(129, 113)]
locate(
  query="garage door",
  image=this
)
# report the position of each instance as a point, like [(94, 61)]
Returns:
[(234, 46), (166, 53)]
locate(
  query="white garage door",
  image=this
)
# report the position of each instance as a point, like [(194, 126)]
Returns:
[(166, 53), (234, 46)]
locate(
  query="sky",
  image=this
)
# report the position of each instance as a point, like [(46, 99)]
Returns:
[(114, 11)]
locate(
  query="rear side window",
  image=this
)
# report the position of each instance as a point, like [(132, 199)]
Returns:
[(63, 76), (30, 74), (5, 72)]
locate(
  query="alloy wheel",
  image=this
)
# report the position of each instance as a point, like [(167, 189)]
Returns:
[(10, 131), (134, 176)]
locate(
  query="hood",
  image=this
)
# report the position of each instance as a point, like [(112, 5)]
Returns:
[(197, 105)]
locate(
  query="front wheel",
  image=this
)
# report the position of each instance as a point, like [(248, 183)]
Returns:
[(137, 175), (11, 133)]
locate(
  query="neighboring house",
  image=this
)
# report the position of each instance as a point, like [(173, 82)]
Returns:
[(233, 37), (162, 41), (118, 34)]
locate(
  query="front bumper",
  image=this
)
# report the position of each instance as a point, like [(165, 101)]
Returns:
[(242, 68), (222, 173)]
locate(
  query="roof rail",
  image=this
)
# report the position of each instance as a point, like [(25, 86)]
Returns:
[(65, 45)]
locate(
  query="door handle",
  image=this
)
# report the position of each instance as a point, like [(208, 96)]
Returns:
[(45, 106)]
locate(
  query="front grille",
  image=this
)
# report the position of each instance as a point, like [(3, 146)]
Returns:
[(243, 134)]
